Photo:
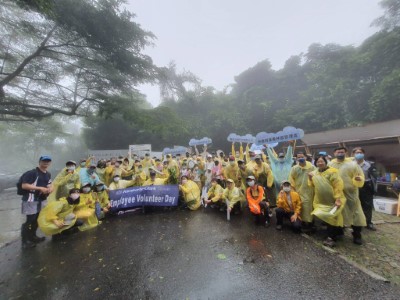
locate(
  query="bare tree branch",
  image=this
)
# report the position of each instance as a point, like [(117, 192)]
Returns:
[(21, 67)]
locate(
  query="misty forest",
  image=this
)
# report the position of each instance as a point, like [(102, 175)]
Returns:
[(69, 72)]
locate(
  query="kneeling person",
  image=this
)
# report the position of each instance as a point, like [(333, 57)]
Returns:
[(58, 215), (288, 206), (215, 193), (233, 197), (258, 205), (153, 180), (103, 200), (191, 193)]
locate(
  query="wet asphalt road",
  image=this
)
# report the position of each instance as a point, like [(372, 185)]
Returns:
[(182, 255)]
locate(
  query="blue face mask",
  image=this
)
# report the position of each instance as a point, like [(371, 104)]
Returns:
[(301, 160), (359, 156)]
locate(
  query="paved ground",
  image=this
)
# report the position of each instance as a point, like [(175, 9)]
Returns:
[(183, 255)]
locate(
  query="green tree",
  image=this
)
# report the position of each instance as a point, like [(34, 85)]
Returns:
[(69, 60), (391, 17)]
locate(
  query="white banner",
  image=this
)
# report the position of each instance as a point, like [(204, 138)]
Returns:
[(203, 141), (140, 150), (287, 134), (176, 150), (106, 154), (248, 138)]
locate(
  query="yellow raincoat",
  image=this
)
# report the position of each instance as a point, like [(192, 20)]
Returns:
[(215, 193), (241, 154), (243, 174), (103, 198), (157, 181), (348, 170), (122, 184), (191, 194), (233, 195), (108, 175), (328, 186), (263, 174), (101, 173), (299, 180), (232, 172), (85, 211), (55, 210), (63, 182)]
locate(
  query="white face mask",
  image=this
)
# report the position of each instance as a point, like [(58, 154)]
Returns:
[(74, 196), (99, 188), (232, 163), (71, 168), (250, 183), (184, 181), (117, 165), (86, 189), (286, 189), (116, 179)]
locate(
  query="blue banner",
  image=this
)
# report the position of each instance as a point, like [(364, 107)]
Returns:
[(153, 195)]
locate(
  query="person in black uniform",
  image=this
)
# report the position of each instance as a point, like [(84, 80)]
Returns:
[(36, 186)]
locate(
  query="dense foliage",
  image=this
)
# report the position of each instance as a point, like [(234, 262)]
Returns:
[(58, 58)]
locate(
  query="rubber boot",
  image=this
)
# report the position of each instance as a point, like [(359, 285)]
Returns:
[(357, 235), (34, 237), (26, 242)]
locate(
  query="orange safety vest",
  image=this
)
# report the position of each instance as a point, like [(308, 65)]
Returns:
[(254, 200)]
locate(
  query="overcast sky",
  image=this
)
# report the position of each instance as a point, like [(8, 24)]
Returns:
[(219, 39)]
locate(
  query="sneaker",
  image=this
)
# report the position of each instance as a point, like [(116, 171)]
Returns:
[(329, 242), (266, 224), (371, 227), (357, 241), (278, 227)]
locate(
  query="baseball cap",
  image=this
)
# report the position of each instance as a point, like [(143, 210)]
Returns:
[(45, 158), (285, 181), (280, 155), (257, 157), (251, 177), (70, 162), (229, 180), (74, 190)]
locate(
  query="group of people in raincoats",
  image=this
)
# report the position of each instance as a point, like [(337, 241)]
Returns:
[(291, 186)]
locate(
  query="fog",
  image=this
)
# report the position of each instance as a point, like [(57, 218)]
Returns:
[(217, 40)]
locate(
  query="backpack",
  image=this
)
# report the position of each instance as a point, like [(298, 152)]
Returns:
[(20, 190)]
